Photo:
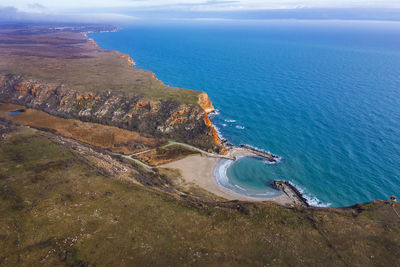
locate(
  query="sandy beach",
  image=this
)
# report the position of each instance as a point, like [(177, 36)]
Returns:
[(200, 171)]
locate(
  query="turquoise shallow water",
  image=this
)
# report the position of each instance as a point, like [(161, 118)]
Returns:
[(323, 95)]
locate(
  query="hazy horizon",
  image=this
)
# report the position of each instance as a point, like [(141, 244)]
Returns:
[(125, 11)]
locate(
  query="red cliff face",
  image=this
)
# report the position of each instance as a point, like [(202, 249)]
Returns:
[(215, 136), (129, 59), (93, 43), (125, 57), (207, 121), (205, 103), (212, 132)]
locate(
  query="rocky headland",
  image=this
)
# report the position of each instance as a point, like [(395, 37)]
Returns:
[(90, 174), (66, 74)]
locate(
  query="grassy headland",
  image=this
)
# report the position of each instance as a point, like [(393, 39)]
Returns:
[(62, 72), (64, 202), (68, 58), (58, 207)]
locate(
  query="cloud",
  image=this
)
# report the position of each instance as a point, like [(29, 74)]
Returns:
[(36, 6), (9, 13), (12, 14), (122, 11)]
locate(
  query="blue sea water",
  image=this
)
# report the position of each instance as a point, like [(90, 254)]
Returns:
[(323, 95)]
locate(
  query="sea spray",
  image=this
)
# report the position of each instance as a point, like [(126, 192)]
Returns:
[(311, 200)]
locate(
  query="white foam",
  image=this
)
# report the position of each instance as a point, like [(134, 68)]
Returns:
[(256, 148), (240, 187), (239, 127), (220, 136), (278, 158), (311, 200), (221, 177), (214, 113), (220, 172), (224, 125), (270, 162), (230, 120)]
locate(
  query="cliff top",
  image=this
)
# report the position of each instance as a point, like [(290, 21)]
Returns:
[(65, 56)]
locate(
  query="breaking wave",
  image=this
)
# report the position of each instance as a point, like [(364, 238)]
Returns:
[(311, 200)]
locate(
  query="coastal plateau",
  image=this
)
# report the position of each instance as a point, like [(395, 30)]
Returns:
[(100, 165), (62, 72)]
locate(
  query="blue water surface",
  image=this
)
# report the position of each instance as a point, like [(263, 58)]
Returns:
[(15, 112), (323, 95)]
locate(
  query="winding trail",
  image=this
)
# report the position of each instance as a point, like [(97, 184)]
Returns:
[(147, 167), (208, 154), (170, 143)]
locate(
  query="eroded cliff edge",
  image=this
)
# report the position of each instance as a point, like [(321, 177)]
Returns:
[(64, 73)]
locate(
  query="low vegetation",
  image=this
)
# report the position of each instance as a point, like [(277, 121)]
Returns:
[(66, 57), (163, 155), (57, 208), (107, 137)]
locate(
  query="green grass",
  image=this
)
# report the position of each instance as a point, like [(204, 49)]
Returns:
[(55, 204)]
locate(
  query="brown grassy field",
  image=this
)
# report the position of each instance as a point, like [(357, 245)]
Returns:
[(99, 135), (71, 59), (57, 209), (164, 155)]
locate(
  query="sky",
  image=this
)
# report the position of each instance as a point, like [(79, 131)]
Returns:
[(126, 10)]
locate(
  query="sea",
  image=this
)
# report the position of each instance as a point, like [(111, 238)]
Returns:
[(323, 95)]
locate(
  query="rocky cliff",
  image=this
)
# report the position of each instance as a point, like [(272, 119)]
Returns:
[(66, 74), (164, 118)]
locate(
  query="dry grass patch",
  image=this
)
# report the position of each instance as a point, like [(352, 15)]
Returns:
[(99, 135), (163, 155)]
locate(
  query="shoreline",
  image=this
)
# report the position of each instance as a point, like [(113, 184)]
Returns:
[(235, 152), (205, 176), (200, 171)]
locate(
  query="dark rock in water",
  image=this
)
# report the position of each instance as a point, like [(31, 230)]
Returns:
[(290, 190), (272, 158)]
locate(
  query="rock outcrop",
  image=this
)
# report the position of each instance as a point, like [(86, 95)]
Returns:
[(64, 73), (205, 103), (164, 118), (124, 56)]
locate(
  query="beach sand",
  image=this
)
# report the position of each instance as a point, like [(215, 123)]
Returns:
[(200, 171)]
